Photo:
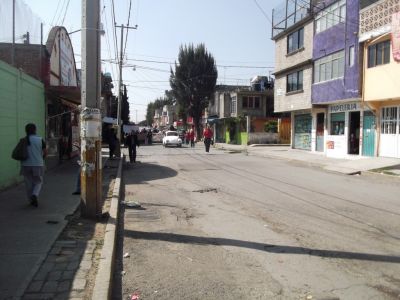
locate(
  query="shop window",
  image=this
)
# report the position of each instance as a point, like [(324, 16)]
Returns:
[(295, 41), (337, 123), (389, 120), (379, 54), (294, 81)]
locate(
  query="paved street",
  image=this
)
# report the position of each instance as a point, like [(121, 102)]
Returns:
[(232, 226)]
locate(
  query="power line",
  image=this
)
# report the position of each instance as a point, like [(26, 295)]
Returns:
[(66, 10), (58, 5), (262, 11), (222, 66)]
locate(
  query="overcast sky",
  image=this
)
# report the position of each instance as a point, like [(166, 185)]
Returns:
[(236, 32)]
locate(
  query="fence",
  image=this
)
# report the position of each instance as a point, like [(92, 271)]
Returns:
[(21, 101)]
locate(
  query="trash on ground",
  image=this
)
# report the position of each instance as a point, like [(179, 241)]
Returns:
[(52, 222), (309, 297), (134, 297), (123, 273), (126, 255), (131, 204)]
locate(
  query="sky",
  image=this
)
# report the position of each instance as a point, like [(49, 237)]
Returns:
[(235, 32)]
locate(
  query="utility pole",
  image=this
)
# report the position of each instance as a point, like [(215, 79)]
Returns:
[(120, 78), (91, 173), (13, 36)]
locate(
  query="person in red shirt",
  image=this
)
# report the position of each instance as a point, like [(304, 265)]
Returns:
[(208, 135), (191, 137)]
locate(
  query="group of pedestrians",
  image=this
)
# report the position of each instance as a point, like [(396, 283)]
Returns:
[(34, 148), (207, 137)]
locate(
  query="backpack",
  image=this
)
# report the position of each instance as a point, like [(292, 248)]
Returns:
[(20, 151)]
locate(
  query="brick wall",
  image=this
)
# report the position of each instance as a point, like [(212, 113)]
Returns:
[(27, 58), (282, 60), (297, 101)]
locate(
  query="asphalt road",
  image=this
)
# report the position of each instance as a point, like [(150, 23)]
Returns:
[(230, 226)]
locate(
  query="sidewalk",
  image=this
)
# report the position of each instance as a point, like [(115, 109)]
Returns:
[(27, 233), (351, 165)]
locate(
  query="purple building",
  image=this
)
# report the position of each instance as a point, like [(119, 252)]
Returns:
[(336, 76)]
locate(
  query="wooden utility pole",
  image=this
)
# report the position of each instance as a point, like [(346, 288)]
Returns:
[(91, 173)]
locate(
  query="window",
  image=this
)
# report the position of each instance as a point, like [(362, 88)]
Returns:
[(251, 102), (245, 102), (329, 67), (389, 120), (379, 54), (294, 81), (295, 40), (233, 105), (332, 15), (337, 123), (351, 56)]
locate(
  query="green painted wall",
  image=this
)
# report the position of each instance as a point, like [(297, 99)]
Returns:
[(242, 138), (22, 101)]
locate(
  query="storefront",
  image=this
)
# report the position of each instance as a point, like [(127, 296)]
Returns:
[(302, 131), (344, 122), (63, 97)]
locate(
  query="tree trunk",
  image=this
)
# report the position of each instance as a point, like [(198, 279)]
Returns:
[(196, 121)]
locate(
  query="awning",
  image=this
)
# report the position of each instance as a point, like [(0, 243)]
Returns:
[(67, 93), (109, 120)]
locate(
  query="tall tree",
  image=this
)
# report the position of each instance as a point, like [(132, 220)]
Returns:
[(125, 107), (158, 104), (194, 80)]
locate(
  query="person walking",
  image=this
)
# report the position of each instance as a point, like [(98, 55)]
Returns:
[(32, 168), (132, 142), (208, 135), (191, 137)]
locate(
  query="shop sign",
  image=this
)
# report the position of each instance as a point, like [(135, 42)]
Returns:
[(344, 107), (330, 145), (396, 36)]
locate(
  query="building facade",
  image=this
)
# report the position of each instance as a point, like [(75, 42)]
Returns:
[(379, 43), (336, 82), (292, 31)]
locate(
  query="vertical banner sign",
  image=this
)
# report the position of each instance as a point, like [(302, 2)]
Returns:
[(396, 36)]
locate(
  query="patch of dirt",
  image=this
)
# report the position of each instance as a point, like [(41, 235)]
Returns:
[(82, 229)]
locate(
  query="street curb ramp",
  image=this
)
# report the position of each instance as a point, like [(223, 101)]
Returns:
[(103, 282)]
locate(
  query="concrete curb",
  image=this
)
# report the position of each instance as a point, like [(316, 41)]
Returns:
[(103, 283)]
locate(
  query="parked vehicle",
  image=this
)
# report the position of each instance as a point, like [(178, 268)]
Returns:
[(172, 138), (158, 137)]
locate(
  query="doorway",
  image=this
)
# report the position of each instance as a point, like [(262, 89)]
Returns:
[(368, 148), (354, 132), (320, 132)]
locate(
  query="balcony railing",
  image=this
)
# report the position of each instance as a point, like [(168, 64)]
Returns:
[(377, 15), (288, 14)]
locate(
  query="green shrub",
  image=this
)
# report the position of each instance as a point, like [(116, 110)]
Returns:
[(271, 126)]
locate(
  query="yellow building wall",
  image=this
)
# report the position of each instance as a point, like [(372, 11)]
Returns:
[(382, 82)]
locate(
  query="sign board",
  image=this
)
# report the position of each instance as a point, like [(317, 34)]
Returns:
[(396, 36), (330, 145), (344, 107)]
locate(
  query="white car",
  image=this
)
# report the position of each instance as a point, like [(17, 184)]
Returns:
[(171, 138)]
